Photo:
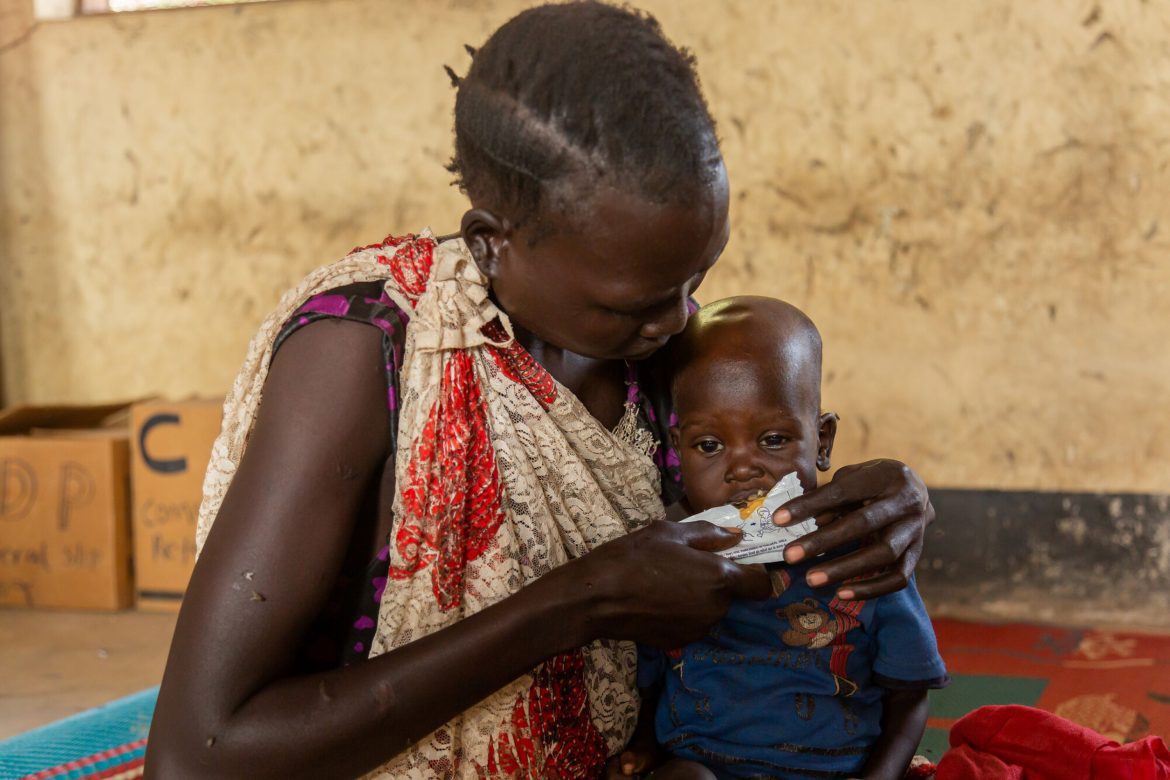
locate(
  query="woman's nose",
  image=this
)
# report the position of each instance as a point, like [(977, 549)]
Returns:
[(668, 323)]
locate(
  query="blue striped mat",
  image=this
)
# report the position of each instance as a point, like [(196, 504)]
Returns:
[(106, 742)]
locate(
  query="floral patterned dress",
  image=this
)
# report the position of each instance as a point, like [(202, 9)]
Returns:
[(344, 633)]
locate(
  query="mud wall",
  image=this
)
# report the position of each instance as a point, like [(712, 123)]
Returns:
[(967, 197)]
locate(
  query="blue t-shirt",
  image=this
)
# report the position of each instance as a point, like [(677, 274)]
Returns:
[(792, 686)]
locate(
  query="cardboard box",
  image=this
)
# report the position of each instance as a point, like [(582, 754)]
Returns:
[(171, 445), (64, 499)]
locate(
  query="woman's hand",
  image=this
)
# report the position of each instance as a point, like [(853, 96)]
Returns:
[(661, 585), (881, 503)]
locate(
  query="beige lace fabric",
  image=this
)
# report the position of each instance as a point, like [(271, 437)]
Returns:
[(502, 475)]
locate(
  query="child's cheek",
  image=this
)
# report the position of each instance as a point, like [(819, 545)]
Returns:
[(692, 470), (702, 478), (786, 462)]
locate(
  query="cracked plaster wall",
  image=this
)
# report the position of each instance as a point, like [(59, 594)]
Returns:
[(969, 198)]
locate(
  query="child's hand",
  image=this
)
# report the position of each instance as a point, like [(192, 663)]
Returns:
[(632, 761)]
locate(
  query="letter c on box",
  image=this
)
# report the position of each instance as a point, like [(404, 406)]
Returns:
[(163, 466)]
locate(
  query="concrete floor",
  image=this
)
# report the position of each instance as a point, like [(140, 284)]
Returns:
[(57, 663)]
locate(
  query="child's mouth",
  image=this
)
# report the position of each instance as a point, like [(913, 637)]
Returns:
[(744, 497)]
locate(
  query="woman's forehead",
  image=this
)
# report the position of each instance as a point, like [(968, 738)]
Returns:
[(635, 249)]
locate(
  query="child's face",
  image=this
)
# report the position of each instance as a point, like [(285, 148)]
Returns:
[(743, 425)]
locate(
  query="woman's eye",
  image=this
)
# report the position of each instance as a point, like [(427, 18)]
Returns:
[(709, 446), (775, 440), (627, 313)]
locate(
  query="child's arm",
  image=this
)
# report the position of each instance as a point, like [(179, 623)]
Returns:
[(903, 723)]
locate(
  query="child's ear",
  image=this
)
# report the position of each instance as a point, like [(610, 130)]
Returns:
[(826, 434), (485, 234), (674, 439)]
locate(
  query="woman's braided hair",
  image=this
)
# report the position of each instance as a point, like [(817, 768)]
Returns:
[(580, 88)]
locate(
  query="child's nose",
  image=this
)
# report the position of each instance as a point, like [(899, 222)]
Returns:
[(741, 467)]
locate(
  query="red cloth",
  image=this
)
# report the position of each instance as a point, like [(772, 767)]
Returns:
[(1012, 742)]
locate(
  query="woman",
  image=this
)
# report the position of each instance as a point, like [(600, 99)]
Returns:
[(497, 426)]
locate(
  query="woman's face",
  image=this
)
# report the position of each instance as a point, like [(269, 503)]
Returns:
[(614, 283)]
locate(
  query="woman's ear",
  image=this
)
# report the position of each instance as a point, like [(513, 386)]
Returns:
[(826, 434), (486, 236)]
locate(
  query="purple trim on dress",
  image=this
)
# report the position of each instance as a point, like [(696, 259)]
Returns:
[(633, 395), (326, 303), (672, 459)]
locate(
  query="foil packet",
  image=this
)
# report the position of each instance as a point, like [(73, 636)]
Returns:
[(763, 541)]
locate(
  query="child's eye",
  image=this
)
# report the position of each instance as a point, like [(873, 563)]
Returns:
[(709, 446), (775, 440)]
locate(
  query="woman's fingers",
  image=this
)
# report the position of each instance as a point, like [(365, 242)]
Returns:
[(865, 483), (881, 504), (825, 500), (878, 585), (747, 582), (881, 567), (704, 536), (858, 524), (824, 518), (664, 585), (744, 582)]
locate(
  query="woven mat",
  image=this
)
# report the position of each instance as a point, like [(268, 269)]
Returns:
[(1116, 683), (105, 742)]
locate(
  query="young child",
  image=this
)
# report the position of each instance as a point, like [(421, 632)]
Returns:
[(804, 684)]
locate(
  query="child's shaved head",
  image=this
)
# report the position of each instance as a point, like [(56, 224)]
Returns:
[(752, 329)]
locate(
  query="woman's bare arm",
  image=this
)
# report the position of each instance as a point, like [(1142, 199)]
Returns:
[(230, 704)]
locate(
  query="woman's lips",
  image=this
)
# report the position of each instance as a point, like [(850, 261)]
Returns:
[(644, 348)]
